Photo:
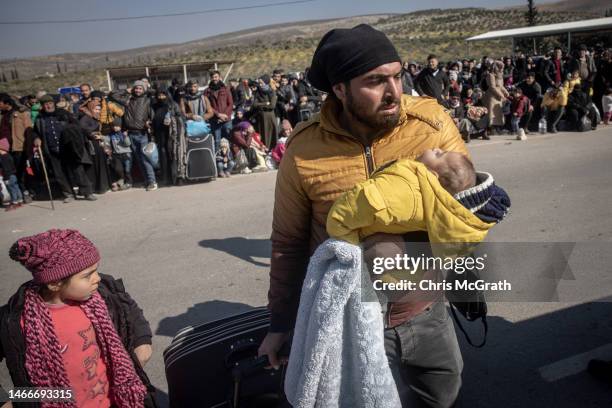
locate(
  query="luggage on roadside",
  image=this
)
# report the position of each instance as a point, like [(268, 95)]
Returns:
[(200, 159), (215, 364)]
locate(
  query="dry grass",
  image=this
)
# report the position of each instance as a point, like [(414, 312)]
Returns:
[(415, 35)]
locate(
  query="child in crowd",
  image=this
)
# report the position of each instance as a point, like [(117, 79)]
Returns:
[(279, 149), (238, 117), (468, 96), (73, 328), (606, 103), (305, 109), (121, 159), (9, 174), (409, 195), (519, 107), (260, 149), (225, 159)]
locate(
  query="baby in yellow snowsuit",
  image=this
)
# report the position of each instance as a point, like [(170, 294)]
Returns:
[(439, 192)]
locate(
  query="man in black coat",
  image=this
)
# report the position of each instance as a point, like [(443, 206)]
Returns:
[(432, 81), (532, 90), (62, 143), (578, 106)]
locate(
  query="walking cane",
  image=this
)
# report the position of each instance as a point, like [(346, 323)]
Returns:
[(42, 161)]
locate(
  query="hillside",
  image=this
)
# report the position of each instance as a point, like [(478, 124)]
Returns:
[(589, 6), (289, 46)]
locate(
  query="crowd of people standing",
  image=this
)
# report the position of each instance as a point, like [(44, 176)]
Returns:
[(90, 141)]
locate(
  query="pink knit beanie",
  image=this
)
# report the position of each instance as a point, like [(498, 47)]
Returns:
[(55, 254)]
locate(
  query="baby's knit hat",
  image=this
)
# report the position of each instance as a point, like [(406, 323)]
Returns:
[(486, 200), (55, 254)]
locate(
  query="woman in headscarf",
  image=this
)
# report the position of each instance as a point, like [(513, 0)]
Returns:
[(495, 94), (168, 134), (264, 102), (99, 148)]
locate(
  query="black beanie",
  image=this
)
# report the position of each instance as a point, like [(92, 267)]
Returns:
[(344, 54)]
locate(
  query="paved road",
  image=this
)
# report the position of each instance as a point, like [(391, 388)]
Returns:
[(196, 252)]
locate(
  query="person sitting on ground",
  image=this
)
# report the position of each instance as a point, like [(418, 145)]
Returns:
[(281, 145), (606, 103), (244, 155), (553, 107), (438, 192), (532, 90), (9, 174), (467, 96), (519, 108), (259, 147), (225, 159), (578, 106), (70, 327)]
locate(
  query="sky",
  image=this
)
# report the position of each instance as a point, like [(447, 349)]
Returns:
[(47, 39)]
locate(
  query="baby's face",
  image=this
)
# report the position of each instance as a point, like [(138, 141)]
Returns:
[(435, 159)]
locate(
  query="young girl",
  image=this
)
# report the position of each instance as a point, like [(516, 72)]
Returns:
[(73, 328), (225, 159)]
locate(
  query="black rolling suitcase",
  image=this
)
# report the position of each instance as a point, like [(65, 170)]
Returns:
[(215, 364), (201, 161)]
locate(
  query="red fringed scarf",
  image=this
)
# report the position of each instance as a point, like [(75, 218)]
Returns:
[(44, 362)]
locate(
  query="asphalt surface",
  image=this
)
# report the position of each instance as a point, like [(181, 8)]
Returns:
[(193, 253)]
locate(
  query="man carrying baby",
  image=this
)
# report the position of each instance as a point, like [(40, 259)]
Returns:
[(364, 123)]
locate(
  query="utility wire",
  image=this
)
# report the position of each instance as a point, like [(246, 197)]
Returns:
[(190, 13)]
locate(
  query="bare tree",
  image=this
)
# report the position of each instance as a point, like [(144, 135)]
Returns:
[(532, 13)]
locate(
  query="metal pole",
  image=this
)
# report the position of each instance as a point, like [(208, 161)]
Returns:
[(513, 47), (535, 52), (228, 72), (185, 73), (42, 161), (108, 78), (569, 42)]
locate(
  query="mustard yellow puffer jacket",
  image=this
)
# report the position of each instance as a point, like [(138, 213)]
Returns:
[(401, 198)]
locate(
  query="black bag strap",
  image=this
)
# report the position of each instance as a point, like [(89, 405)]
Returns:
[(467, 337)]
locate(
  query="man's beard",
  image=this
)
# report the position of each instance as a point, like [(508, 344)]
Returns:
[(376, 120)]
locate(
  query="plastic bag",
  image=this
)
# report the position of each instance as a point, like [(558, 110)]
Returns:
[(152, 154), (197, 129), (585, 124)]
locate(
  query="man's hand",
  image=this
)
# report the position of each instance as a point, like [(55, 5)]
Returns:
[(383, 245), (270, 346), (222, 116), (143, 353)]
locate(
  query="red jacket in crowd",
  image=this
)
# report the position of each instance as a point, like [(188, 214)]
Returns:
[(519, 105), (220, 99)]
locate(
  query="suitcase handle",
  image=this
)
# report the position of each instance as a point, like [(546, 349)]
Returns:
[(247, 366)]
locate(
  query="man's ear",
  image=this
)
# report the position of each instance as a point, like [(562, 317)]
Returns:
[(340, 91)]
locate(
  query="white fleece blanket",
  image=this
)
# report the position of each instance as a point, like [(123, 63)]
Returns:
[(338, 355)]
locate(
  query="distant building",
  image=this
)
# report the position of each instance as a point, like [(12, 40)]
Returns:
[(567, 35), (124, 77)]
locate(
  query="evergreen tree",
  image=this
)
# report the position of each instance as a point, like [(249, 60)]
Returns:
[(532, 13)]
